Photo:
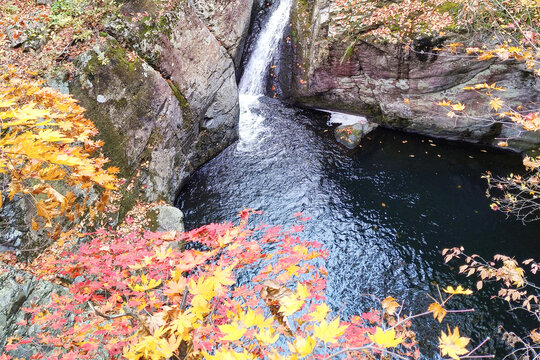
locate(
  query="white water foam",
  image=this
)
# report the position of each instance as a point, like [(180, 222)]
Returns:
[(251, 128), (344, 119)]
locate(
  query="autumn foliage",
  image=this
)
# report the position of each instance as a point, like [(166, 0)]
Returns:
[(515, 287), (234, 292), (46, 140)]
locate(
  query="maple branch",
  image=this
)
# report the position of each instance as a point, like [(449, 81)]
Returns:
[(366, 347), (469, 356), (115, 316), (184, 299)]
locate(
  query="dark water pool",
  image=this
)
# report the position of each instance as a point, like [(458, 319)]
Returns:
[(383, 214)]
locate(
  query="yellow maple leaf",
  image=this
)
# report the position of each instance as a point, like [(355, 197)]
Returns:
[(293, 270), (485, 56), (5, 103), (52, 136), (251, 318), (458, 107), (267, 336), (459, 290), (169, 346), (496, 103), (200, 306), (390, 305), (182, 324), (290, 304), (329, 332), (444, 103), (386, 338), (145, 284), (320, 313), (302, 346), (223, 276), (204, 287), (302, 291), (438, 311), (232, 332), (453, 344)]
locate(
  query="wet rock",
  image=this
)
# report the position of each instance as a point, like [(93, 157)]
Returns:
[(351, 135), (179, 48)]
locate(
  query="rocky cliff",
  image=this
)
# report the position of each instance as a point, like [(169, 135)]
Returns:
[(161, 88), (160, 85), (398, 86)]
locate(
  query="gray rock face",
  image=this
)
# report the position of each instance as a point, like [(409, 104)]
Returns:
[(162, 91), (20, 290), (139, 118), (398, 87), (14, 224), (228, 21), (200, 108), (30, 35)]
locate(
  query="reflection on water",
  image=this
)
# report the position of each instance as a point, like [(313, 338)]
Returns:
[(384, 211)]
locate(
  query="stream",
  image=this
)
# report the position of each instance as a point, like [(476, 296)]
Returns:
[(384, 211)]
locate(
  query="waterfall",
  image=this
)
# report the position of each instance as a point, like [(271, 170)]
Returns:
[(251, 88)]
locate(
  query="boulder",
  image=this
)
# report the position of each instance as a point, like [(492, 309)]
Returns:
[(165, 218), (350, 136)]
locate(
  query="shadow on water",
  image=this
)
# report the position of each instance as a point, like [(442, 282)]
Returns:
[(383, 214)]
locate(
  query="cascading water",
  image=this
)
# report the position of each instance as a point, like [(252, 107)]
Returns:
[(251, 88), (383, 211)]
